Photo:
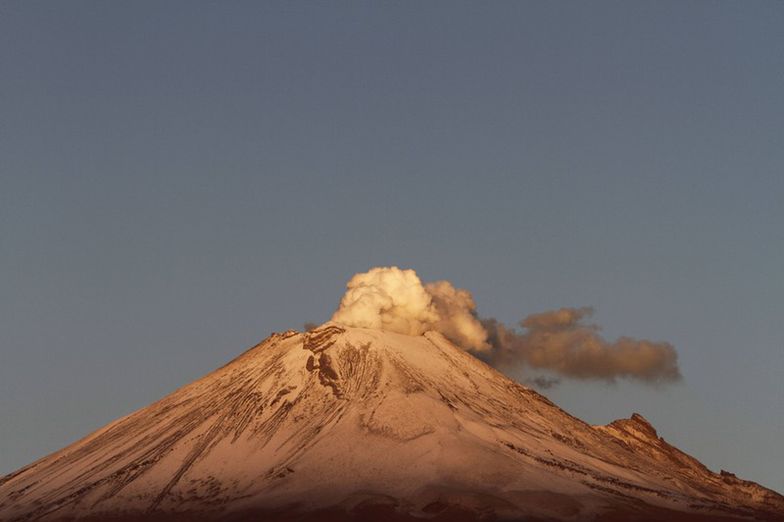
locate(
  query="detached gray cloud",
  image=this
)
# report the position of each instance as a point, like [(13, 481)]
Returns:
[(558, 342)]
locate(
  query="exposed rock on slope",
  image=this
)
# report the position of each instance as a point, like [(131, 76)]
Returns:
[(340, 423)]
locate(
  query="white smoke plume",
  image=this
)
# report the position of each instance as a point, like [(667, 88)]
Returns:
[(556, 341), (396, 300)]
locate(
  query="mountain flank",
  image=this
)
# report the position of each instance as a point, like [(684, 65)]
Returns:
[(362, 424)]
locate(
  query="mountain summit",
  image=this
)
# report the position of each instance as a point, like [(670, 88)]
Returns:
[(361, 424)]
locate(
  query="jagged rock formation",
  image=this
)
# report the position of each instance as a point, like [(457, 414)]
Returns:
[(359, 424)]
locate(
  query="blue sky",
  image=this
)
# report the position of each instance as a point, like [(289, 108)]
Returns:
[(180, 179)]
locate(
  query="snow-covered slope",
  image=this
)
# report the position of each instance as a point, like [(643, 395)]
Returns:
[(349, 422)]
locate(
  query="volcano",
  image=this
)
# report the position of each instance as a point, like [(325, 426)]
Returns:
[(346, 423)]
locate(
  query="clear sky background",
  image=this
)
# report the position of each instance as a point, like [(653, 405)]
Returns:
[(179, 180)]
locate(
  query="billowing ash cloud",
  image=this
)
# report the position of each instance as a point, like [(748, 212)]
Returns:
[(396, 300), (557, 341)]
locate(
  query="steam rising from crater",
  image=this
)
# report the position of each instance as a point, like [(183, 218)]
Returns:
[(557, 341), (396, 300)]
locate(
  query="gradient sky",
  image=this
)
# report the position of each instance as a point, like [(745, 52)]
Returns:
[(179, 180)]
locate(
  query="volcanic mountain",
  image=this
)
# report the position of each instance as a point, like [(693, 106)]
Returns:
[(359, 424)]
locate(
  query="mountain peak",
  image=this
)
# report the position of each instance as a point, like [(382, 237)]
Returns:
[(636, 424), (346, 420), (643, 424)]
